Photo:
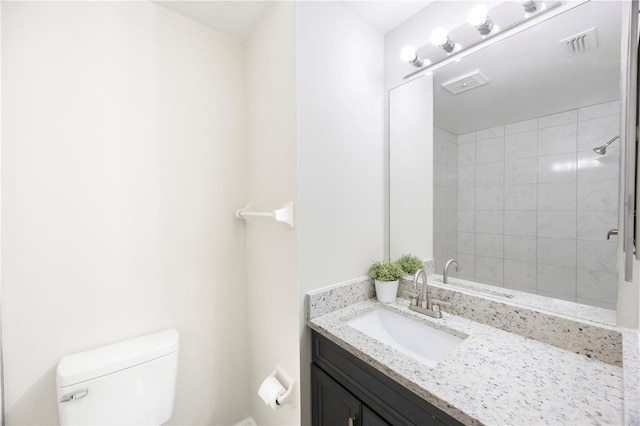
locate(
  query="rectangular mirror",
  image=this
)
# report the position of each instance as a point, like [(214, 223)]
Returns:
[(525, 193)]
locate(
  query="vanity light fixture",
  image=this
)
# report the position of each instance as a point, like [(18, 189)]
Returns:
[(440, 38), (532, 6), (408, 54), (479, 18)]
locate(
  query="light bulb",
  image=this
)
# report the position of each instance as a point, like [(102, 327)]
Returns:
[(530, 6), (408, 54), (477, 16), (439, 36)]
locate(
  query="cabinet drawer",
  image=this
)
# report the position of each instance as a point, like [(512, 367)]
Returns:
[(396, 404)]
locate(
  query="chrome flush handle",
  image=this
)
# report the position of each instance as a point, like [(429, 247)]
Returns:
[(79, 394)]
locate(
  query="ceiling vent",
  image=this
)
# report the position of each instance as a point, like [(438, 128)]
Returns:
[(580, 43), (465, 82)]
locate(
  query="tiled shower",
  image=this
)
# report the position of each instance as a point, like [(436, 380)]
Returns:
[(530, 204)]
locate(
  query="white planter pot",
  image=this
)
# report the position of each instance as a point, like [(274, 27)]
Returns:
[(386, 291)]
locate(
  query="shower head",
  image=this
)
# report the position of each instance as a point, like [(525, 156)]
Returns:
[(602, 150)]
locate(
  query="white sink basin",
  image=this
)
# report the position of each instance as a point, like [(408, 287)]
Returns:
[(413, 338)]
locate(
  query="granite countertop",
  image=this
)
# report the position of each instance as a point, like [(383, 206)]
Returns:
[(493, 376)]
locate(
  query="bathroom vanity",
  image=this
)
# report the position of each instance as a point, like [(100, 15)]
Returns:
[(346, 390), (493, 376)]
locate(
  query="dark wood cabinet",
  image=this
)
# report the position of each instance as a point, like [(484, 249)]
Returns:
[(347, 391), (336, 405)]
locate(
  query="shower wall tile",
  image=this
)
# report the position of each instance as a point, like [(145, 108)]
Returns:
[(452, 244), (600, 256), (490, 198), (557, 224), (452, 199), (452, 222), (600, 110), (568, 297), (467, 265), (558, 140), (466, 220), (594, 225), (521, 145), (522, 223), (601, 286), (597, 132), (521, 274), (489, 268), (519, 172), (520, 287), (489, 221), (489, 245), (445, 135), (439, 222), (598, 195), (490, 174), (521, 126), (558, 119), (557, 196), (534, 204), (592, 166), (466, 243), (441, 174), (597, 303), (558, 252), (439, 148), (490, 150), (467, 138), (466, 154), (557, 280), (440, 199), (452, 176), (521, 197), (491, 282), (518, 248), (466, 198), (493, 132), (557, 168), (466, 176), (452, 154)]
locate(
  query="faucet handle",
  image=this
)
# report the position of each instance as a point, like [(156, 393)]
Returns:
[(436, 304)]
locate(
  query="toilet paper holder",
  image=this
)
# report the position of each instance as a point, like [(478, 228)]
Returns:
[(287, 384)]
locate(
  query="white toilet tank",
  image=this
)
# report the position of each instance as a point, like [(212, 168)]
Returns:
[(131, 382)]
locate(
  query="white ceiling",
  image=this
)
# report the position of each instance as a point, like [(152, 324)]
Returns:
[(238, 17), (385, 15), (235, 18)]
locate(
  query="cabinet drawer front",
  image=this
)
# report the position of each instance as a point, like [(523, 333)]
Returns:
[(396, 404)]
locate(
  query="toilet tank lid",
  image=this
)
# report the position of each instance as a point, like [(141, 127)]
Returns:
[(87, 365)]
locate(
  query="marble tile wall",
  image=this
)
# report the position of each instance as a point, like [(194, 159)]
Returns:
[(535, 203), (445, 154)]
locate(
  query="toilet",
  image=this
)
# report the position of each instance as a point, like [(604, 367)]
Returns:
[(131, 382)]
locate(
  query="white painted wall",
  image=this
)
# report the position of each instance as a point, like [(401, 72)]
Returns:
[(340, 153), (272, 248), (123, 160), (412, 163)]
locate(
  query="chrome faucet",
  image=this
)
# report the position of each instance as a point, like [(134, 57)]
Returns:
[(422, 303), (416, 278), (445, 272), (612, 232)]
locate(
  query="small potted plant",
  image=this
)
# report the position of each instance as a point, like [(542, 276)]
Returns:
[(409, 264), (386, 277)]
